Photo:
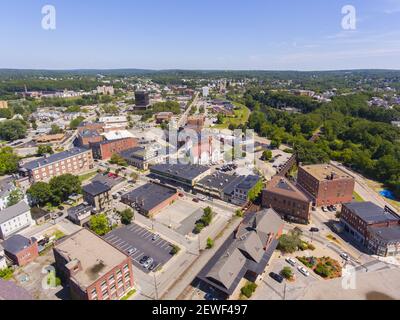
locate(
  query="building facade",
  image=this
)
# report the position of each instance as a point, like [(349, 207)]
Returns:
[(93, 268), (14, 219), (105, 149), (98, 195), (327, 185), (21, 250), (286, 199), (74, 161)]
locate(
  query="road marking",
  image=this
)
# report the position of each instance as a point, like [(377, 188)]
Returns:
[(139, 256)]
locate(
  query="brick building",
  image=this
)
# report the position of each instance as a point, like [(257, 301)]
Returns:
[(164, 117), (196, 122), (150, 198), (21, 250), (98, 195), (87, 137), (378, 229), (105, 149), (94, 269), (286, 199), (74, 161), (326, 184)]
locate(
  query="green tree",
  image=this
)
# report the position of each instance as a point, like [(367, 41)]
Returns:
[(42, 150), (63, 186), (40, 193), (210, 243), (126, 216), (118, 160), (74, 124), (267, 155), (99, 224), (55, 129), (11, 130), (174, 250), (8, 161), (15, 197), (256, 191), (287, 273)]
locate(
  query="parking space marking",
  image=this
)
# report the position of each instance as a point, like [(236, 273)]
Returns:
[(139, 257), (125, 247), (158, 241)]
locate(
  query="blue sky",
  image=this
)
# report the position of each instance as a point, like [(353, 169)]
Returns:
[(200, 34)]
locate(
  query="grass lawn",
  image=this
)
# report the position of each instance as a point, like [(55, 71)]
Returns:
[(357, 197), (378, 187), (242, 115), (87, 176)]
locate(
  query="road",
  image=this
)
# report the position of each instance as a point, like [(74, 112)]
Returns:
[(183, 119)]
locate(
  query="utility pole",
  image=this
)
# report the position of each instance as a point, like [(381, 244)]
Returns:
[(284, 292)]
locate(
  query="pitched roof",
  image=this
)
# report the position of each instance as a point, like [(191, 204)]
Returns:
[(282, 186), (14, 211), (17, 243)]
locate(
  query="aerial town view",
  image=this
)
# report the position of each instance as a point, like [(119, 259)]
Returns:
[(200, 151)]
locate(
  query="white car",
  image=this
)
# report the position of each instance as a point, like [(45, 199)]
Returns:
[(345, 256), (291, 261), (303, 271), (324, 209)]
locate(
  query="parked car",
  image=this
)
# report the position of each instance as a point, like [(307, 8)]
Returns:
[(345, 256), (153, 266), (196, 200), (155, 237), (313, 229), (148, 263), (324, 209), (303, 271), (144, 259), (276, 277), (291, 261)]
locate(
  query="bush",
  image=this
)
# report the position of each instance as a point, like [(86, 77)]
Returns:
[(210, 243), (248, 289), (287, 273), (6, 274), (198, 228), (239, 213), (175, 249), (323, 270)]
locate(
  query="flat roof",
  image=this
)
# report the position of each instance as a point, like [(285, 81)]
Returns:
[(370, 212), (183, 171), (282, 186), (149, 195), (95, 188), (387, 233), (322, 171), (54, 158), (248, 182), (220, 181), (96, 256)]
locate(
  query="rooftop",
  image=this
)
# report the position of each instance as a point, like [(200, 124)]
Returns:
[(283, 186), (17, 243), (14, 211), (324, 172), (54, 158), (387, 234), (220, 181), (187, 172), (370, 212), (10, 291), (95, 188), (95, 255), (248, 182), (149, 195)]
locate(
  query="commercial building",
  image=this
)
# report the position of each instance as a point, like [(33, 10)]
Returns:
[(98, 195), (377, 228), (14, 219), (80, 214), (196, 122), (187, 175), (105, 149), (162, 117), (94, 269), (87, 137), (21, 250), (144, 156), (219, 185), (150, 198), (242, 191), (117, 135), (50, 138), (114, 123), (105, 90), (286, 199), (74, 161), (142, 100), (326, 184), (245, 254)]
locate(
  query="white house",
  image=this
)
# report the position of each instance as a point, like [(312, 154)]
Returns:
[(14, 219), (6, 186)]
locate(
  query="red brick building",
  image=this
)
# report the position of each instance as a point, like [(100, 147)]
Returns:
[(326, 184), (93, 268), (286, 199), (21, 250), (196, 122), (164, 117), (105, 149)]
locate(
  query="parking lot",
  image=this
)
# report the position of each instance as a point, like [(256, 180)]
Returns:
[(138, 242)]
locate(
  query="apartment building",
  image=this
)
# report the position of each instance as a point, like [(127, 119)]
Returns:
[(286, 199), (326, 184), (94, 269), (74, 161), (21, 250), (98, 195)]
